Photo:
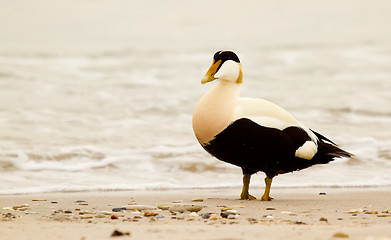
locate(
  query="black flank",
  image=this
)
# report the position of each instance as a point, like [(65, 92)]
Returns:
[(255, 148)]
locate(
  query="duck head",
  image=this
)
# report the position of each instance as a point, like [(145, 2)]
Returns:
[(225, 66)]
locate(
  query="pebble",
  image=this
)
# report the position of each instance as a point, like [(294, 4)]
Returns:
[(85, 212), (117, 233), (24, 208), (322, 219), (159, 217), (205, 216), (7, 208), (226, 214), (226, 208), (370, 212), (269, 218), (197, 200), (150, 214), (136, 212), (39, 200), (340, 235), (270, 209), (355, 211), (193, 214), (139, 207), (165, 206), (384, 215), (252, 220), (183, 207), (232, 211), (119, 209), (322, 193), (114, 217), (129, 220), (300, 223), (213, 217)]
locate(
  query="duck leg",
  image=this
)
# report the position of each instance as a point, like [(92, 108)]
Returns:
[(246, 185), (266, 195)]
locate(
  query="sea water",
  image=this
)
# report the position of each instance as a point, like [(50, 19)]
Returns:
[(118, 116)]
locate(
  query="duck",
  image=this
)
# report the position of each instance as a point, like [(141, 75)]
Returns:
[(252, 133)]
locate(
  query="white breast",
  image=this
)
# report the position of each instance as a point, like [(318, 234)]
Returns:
[(214, 112)]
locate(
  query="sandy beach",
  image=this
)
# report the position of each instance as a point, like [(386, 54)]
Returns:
[(309, 213)]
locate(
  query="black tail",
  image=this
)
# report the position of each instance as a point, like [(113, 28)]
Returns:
[(328, 150)]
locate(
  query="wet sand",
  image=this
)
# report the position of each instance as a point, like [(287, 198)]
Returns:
[(330, 213)]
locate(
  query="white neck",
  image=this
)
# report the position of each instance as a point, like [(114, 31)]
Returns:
[(214, 112)]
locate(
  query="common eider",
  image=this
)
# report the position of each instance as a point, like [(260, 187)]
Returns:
[(254, 134)]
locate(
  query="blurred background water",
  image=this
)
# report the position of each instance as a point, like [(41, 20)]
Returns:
[(99, 94)]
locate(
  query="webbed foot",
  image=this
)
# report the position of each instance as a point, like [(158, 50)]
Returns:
[(246, 196), (266, 198)]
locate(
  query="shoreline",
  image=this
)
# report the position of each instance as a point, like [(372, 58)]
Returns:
[(316, 213), (209, 189)]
